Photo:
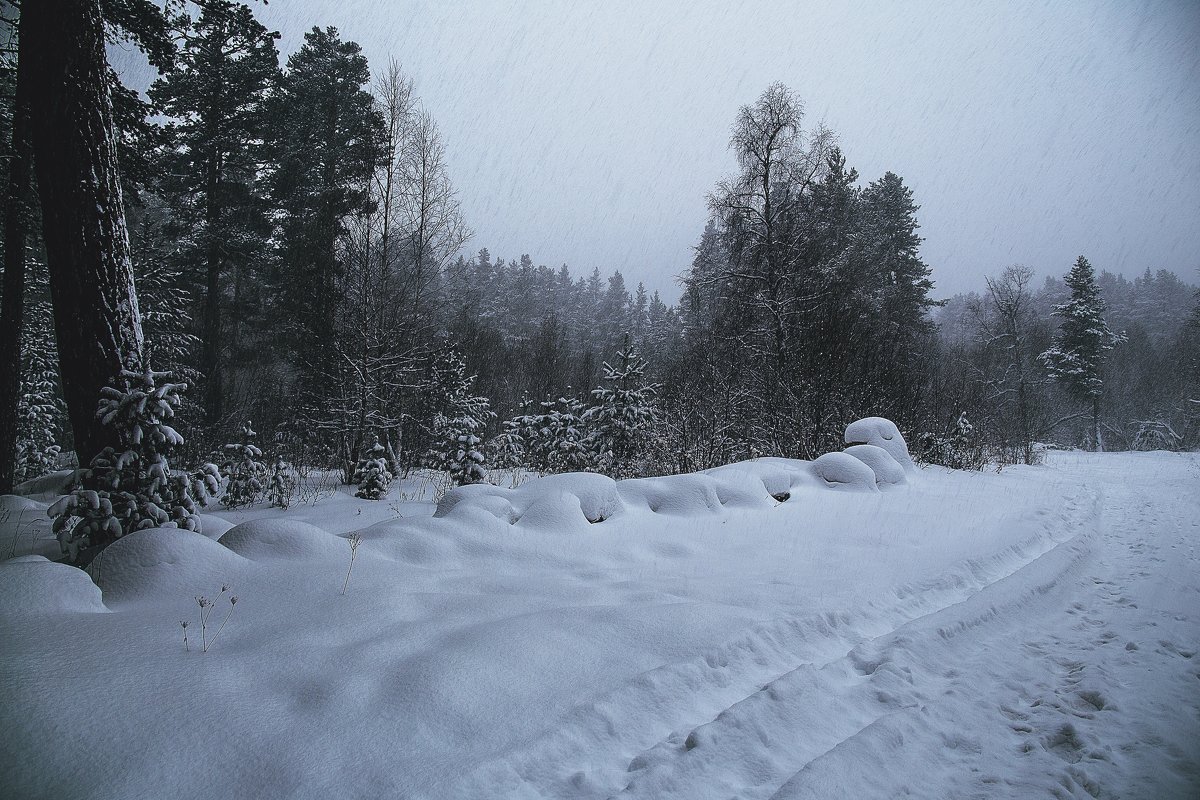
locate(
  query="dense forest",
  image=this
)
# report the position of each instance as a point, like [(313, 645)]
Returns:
[(306, 286)]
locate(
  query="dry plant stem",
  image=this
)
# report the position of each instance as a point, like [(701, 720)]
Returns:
[(232, 604), (354, 540)]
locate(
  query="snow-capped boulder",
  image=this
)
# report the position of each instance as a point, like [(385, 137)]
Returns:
[(842, 471), (887, 471), (881, 433), (32, 586), (283, 539), (171, 562)]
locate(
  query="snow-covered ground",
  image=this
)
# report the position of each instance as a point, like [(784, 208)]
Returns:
[(1031, 633)]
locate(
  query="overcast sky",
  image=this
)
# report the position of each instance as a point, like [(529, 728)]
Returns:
[(589, 133)]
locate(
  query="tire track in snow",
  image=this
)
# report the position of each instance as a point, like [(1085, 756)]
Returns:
[(638, 729)]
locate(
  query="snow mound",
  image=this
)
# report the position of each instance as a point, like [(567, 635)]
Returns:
[(48, 487), (680, 495), (15, 505), (779, 476), (214, 527), (842, 471), (881, 433), (597, 494), (887, 471), (163, 561), (282, 539), (485, 496), (32, 586)]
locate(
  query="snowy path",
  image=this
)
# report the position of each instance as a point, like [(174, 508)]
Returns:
[(1027, 634), (1067, 672)]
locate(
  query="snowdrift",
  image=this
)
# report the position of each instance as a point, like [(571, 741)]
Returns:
[(572, 502)]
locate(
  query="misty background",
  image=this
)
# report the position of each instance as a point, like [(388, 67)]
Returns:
[(590, 133)]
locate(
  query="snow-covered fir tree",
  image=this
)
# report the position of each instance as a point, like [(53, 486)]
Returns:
[(243, 471), (459, 427), (462, 454), (555, 438), (1076, 358), (132, 487), (622, 415), (373, 475), (283, 486)]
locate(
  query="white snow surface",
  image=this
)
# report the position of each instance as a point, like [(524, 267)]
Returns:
[(880, 432), (743, 632)]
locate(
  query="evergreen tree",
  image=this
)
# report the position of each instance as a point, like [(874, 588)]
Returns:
[(373, 474), (462, 455), (553, 440), (39, 410), (326, 136), (1076, 358), (132, 487), (75, 144), (282, 486), (458, 427), (215, 98), (621, 415), (243, 471)]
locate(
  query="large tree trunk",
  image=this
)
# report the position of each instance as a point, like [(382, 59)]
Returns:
[(16, 234), (83, 219)]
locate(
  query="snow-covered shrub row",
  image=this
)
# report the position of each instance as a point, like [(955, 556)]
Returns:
[(571, 501)]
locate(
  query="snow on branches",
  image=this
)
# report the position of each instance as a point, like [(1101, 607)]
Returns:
[(132, 486)]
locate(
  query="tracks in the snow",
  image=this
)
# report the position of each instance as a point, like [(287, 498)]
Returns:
[(752, 714)]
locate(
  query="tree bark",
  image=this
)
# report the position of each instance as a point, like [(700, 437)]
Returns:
[(96, 315), (16, 235)]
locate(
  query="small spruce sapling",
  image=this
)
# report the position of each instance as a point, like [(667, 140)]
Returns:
[(132, 487), (283, 485), (244, 471), (372, 474)]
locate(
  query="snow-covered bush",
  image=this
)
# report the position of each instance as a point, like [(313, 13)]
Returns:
[(960, 448), (243, 471), (132, 487), (372, 474)]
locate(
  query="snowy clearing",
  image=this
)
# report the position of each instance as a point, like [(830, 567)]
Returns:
[(745, 632)]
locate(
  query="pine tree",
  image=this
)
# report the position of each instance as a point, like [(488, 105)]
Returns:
[(75, 146), (215, 97), (325, 142), (243, 471), (1076, 358), (621, 415), (132, 487), (373, 474)]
